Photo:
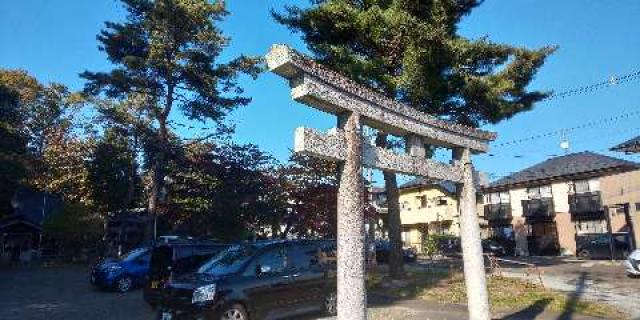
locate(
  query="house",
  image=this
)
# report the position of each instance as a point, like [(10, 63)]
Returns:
[(629, 146), (21, 231), (427, 207), (547, 207), (431, 207)]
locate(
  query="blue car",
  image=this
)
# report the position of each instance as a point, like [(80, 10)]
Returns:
[(124, 274)]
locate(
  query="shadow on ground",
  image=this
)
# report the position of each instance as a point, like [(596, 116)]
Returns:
[(530, 312)]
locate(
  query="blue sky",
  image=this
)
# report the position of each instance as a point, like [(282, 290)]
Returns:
[(55, 40)]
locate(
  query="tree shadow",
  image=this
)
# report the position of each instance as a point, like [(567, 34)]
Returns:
[(383, 291), (574, 298), (530, 312)]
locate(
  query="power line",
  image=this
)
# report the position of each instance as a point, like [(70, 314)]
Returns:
[(523, 153), (613, 81), (585, 125)]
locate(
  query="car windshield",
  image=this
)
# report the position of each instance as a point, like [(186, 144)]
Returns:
[(134, 254), (228, 261)]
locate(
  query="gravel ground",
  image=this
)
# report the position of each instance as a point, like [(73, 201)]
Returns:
[(63, 293)]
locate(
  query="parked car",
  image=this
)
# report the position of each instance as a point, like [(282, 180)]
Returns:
[(383, 248), (493, 247), (451, 246), (633, 264), (263, 279), (122, 274), (173, 258), (596, 246)]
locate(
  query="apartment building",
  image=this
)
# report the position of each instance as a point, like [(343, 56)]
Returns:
[(545, 208)]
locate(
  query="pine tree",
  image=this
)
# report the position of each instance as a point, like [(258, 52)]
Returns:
[(113, 172), (166, 51), (411, 51)]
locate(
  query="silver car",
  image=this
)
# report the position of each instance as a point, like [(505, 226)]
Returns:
[(633, 264)]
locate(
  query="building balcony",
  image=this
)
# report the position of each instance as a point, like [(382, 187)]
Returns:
[(585, 205), (497, 212), (538, 208)]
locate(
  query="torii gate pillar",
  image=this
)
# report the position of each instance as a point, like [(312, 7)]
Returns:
[(474, 272), (352, 297)]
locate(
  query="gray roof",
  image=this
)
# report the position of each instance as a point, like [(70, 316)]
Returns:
[(421, 181), (581, 164), (630, 146), (480, 180)]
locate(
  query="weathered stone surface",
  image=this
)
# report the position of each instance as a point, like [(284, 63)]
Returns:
[(329, 91), (332, 146), (352, 293), (315, 93), (474, 274)]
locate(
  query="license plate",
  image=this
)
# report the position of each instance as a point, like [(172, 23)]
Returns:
[(154, 284), (167, 316)]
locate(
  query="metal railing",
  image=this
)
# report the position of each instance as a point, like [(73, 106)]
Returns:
[(542, 207), (585, 203), (498, 211)]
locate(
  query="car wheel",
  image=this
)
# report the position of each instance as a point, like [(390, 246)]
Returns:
[(234, 312), (584, 254), (331, 304), (124, 284)]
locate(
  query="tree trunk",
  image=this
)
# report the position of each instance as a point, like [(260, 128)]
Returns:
[(131, 183), (394, 226), (160, 161), (157, 182), (158, 174)]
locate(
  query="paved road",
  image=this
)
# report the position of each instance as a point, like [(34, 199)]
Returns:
[(601, 281), (63, 293)]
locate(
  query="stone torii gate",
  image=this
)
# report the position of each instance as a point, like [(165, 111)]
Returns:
[(356, 105)]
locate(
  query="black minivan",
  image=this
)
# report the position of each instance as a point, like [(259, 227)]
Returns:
[(258, 280), (176, 258)]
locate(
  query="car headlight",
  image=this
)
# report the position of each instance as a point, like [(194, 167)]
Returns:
[(203, 294)]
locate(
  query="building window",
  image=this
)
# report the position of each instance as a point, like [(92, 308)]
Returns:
[(497, 198), (539, 192), (423, 201), (503, 232), (585, 186), (405, 206), (591, 226), (442, 201), (637, 206)]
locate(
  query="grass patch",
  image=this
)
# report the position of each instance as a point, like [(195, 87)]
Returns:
[(504, 294)]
